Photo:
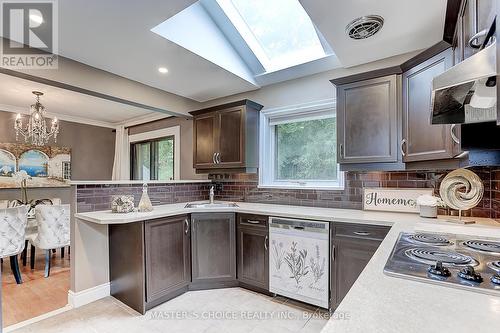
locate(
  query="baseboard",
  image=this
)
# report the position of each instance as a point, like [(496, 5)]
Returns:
[(88, 295), (36, 319)]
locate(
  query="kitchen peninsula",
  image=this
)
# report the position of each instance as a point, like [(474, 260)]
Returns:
[(376, 290)]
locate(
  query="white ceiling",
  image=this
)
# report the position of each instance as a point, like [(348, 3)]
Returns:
[(16, 96), (114, 35), (409, 25)]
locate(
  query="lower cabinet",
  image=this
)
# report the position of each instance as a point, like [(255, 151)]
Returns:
[(213, 249), (168, 257), (149, 261), (252, 251), (353, 245)]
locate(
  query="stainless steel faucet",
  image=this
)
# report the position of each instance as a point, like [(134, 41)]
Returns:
[(211, 195)]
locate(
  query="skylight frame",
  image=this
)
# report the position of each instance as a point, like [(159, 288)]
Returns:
[(244, 30)]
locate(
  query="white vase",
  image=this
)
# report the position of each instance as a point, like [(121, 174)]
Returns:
[(145, 204)]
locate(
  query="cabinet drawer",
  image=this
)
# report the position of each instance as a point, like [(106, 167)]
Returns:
[(249, 220), (361, 231)]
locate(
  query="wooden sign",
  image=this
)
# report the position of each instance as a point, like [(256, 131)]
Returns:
[(393, 199)]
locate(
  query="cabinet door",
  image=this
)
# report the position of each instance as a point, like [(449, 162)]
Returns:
[(469, 27), (367, 113), (486, 11), (168, 264), (477, 17), (350, 257), (231, 138), (204, 144), (213, 248), (252, 253), (421, 140)]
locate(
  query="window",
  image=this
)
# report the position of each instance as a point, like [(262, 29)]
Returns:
[(279, 32), (299, 148), (66, 170), (153, 159), (155, 155)]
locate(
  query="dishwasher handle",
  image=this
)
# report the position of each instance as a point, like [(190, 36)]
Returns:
[(298, 227)]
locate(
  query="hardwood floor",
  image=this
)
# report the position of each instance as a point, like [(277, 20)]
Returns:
[(36, 295)]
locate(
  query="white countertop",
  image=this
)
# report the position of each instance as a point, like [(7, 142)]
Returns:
[(376, 302)]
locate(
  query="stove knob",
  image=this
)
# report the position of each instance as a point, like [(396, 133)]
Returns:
[(439, 269), (469, 274), (496, 278)]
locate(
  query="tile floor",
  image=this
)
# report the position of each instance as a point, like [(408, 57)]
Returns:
[(232, 310)]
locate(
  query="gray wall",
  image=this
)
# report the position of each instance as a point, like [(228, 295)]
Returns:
[(92, 154), (186, 125), (309, 88)]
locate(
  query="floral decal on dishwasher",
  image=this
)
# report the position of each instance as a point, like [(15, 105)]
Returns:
[(296, 261), (317, 269), (278, 254)]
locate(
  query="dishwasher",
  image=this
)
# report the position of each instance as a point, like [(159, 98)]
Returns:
[(299, 259)]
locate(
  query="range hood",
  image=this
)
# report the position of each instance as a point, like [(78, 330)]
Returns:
[(466, 93)]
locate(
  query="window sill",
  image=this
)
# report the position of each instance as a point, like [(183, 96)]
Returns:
[(301, 187)]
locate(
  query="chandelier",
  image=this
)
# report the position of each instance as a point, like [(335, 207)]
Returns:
[(36, 129)]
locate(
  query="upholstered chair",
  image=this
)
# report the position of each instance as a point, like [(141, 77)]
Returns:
[(53, 231), (12, 232)]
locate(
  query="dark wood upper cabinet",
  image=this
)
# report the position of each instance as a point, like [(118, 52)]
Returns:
[(421, 140), (252, 251), (204, 127), (353, 245), (213, 249), (368, 120), (231, 142), (475, 18), (168, 256), (226, 137)]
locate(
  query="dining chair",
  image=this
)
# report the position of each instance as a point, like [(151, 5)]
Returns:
[(12, 229), (53, 231), (31, 228)]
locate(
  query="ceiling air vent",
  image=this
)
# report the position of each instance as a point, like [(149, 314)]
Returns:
[(364, 27)]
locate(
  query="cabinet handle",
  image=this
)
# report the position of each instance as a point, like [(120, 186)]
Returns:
[(341, 148), (362, 233), (478, 35), (253, 221), (333, 253), (403, 144), (265, 242), (453, 136), (217, 158), (186, 223), (213, 158)]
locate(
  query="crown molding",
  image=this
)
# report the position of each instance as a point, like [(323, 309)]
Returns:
[(64, 117)]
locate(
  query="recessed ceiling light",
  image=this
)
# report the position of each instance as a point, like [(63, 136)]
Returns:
[(162, 70)]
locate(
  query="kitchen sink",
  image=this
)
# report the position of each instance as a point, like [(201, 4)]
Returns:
[(211, 205)]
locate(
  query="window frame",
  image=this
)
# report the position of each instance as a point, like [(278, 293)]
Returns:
[(157, 135), (234, 27), (267, 162)]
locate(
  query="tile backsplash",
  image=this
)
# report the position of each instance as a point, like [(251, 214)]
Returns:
[(91, 198), (244, 187)]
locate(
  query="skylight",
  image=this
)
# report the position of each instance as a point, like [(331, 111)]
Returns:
[(279, 32)]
